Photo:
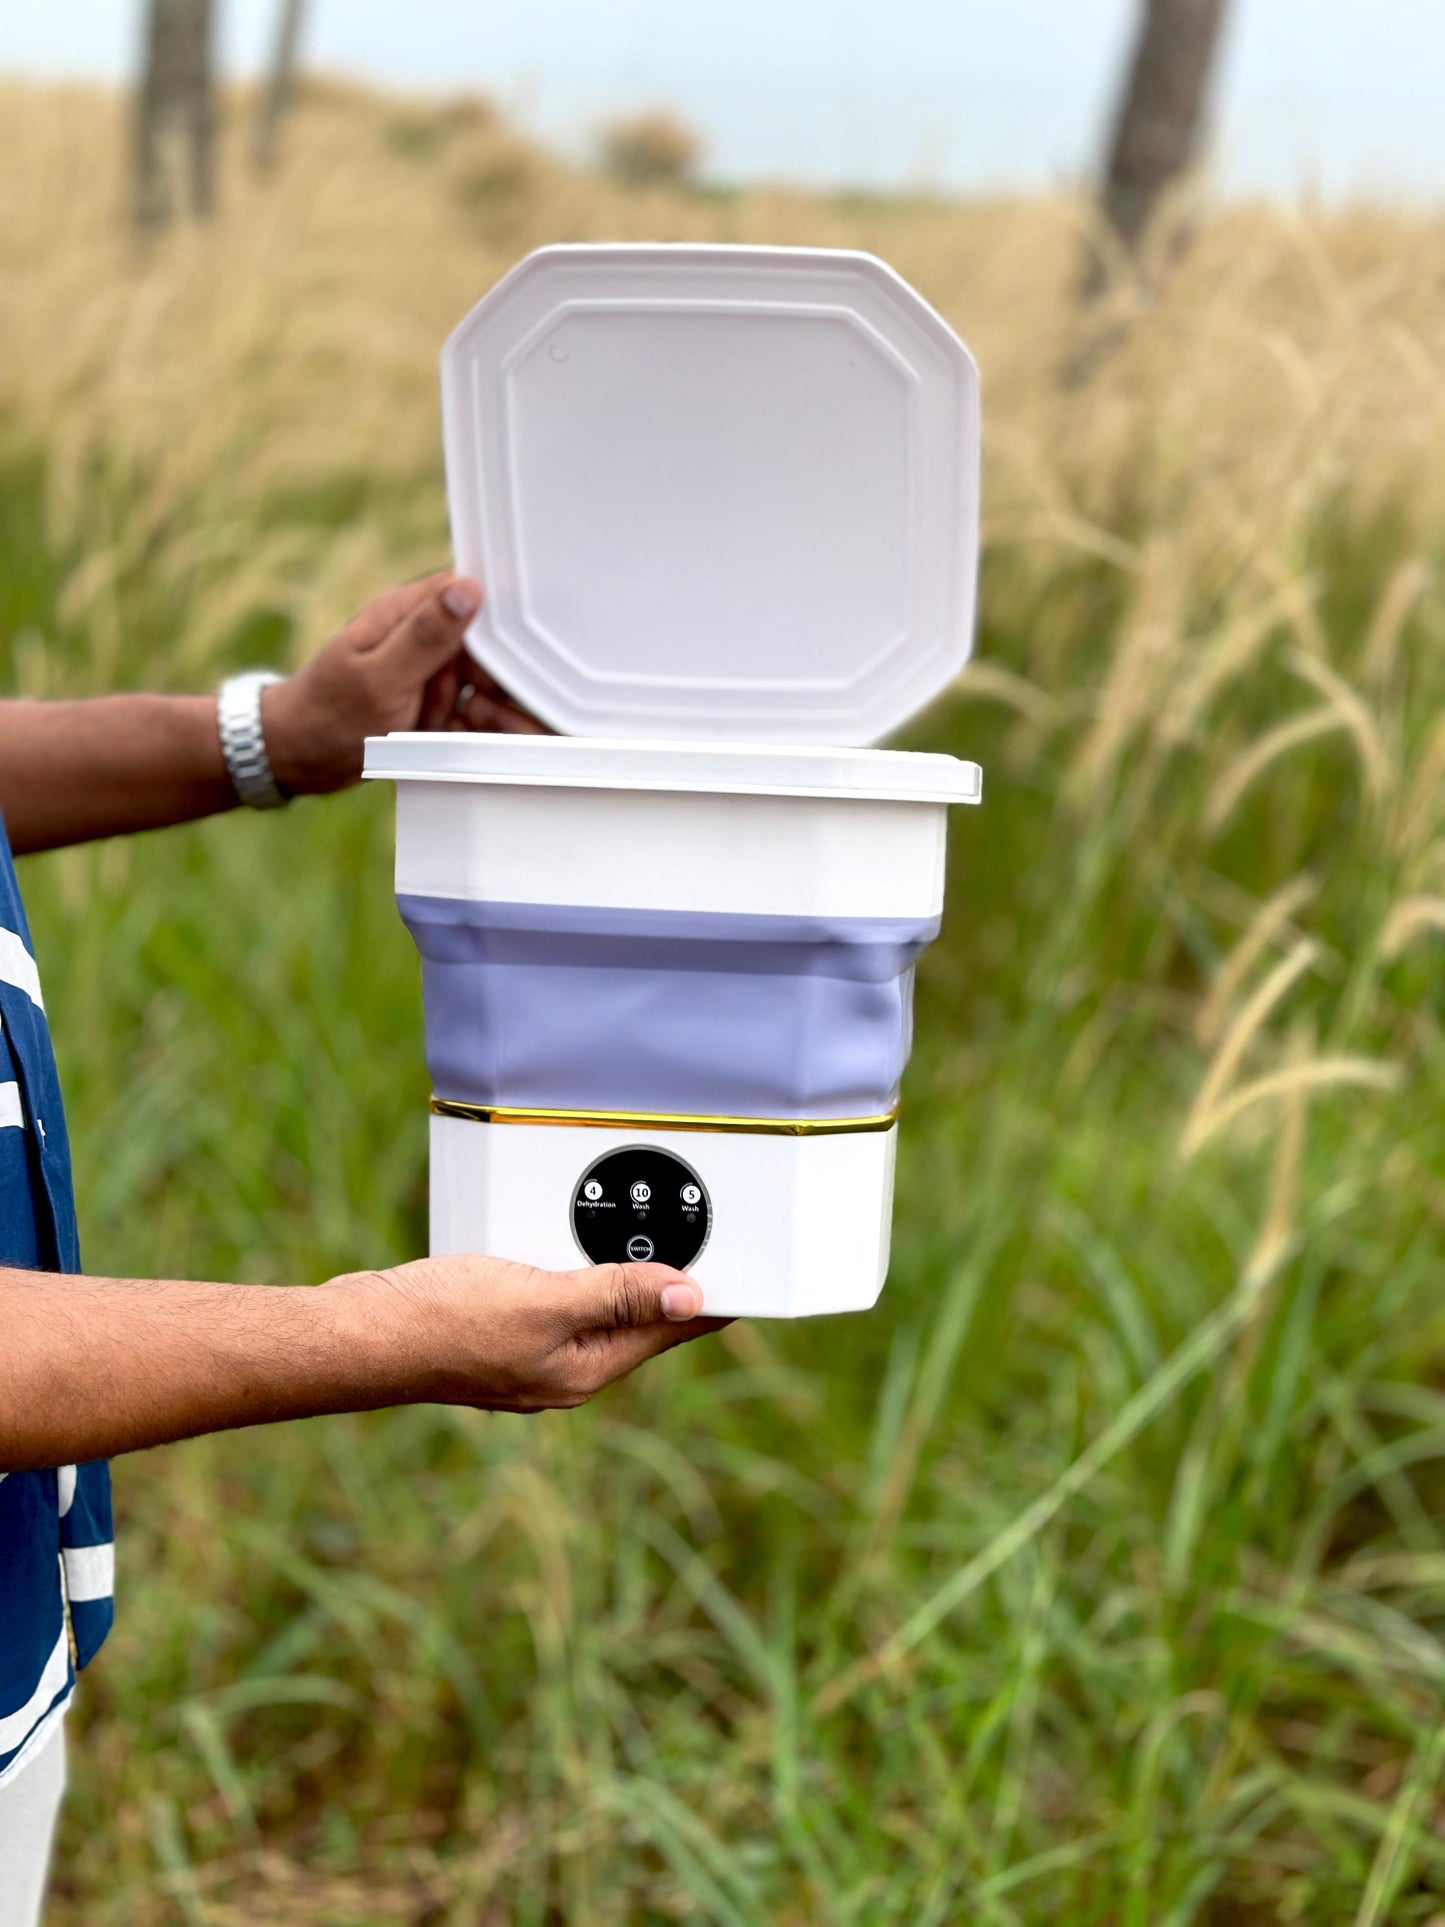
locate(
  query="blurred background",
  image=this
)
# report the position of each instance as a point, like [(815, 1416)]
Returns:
[(1099, 1574)]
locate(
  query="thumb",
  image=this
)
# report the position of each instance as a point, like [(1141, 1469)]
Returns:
[(619, 1316), (631, 1297), (430, 633)]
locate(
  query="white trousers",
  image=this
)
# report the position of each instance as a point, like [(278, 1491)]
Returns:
[(28, 1809)]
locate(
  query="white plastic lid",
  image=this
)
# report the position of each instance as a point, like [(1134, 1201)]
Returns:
[(871, 775), (714, 492)]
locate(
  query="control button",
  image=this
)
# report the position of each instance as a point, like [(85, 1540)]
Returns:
[(640, 1248), (691, 1194), (641, 1192), (592, 1190)]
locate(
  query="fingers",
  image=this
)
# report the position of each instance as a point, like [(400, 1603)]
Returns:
[(430, 634), (614, 1317), (374, 623), (615, 1354), (486, 715), (410, 641), (439, 698), (610, 1298), (462, 696)]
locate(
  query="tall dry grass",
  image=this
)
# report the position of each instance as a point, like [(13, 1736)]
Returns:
[(1098, 1576)]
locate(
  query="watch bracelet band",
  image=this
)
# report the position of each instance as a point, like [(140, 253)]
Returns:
[(243, 740)]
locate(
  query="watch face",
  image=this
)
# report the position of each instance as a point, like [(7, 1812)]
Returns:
[(641, 1204)]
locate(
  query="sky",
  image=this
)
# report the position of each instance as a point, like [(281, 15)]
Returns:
[(1334, 98)]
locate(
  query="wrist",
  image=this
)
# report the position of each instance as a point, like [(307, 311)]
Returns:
[(300, 726), (275, 727), (383, 1336)]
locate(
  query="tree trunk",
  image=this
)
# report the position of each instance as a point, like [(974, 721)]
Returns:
[(175, 112), (1160, 117), (277, 94)]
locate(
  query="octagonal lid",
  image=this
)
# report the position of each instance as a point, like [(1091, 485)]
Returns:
[(714, 492)]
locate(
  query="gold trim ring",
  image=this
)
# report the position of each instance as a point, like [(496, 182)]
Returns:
[(664, 1121)]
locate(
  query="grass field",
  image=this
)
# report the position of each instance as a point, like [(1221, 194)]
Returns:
[(1098, 1576)]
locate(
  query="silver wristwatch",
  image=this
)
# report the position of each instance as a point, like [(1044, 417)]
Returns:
[(243, 741)]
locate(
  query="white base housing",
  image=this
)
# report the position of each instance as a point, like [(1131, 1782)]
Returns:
[(799, 1225)]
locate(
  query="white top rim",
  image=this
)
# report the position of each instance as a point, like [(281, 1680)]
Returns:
[(571, 762)]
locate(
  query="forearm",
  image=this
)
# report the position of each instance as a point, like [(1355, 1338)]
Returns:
[(91, 1367), (73, 771)]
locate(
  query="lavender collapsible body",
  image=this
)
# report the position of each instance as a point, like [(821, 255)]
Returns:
[(639, 1010)]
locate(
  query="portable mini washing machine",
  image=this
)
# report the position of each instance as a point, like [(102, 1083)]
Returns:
[(724, 503)]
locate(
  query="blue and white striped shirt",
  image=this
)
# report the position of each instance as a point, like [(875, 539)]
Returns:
[(57, 1557)]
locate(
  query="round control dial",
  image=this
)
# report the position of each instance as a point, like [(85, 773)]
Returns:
[(641, 1204)]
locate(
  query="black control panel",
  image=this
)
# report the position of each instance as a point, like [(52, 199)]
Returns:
[(642, 1204)]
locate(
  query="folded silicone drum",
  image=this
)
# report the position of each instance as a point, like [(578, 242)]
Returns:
[(587, 1008)]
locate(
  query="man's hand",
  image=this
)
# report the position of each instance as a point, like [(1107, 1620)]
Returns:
[(511, 1338), (400, 664), (110, 765), (92, 1367)]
